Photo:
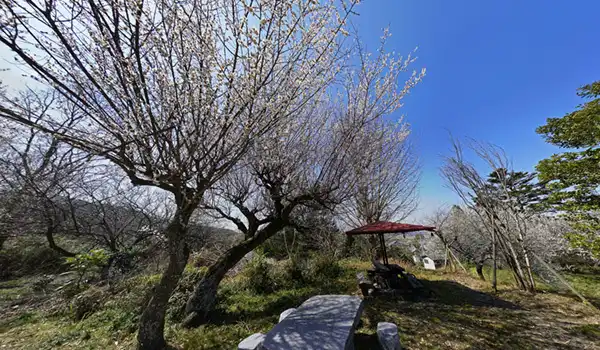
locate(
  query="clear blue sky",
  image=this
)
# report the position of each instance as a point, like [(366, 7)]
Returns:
[(495, 71)]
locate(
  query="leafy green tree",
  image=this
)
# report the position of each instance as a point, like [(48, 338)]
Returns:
[(519, 187), (574, 176)]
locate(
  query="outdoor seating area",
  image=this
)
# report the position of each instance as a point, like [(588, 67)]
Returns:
[(385, 277), (323, 322)]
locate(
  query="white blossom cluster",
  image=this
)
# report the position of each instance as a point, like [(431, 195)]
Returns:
[(175, 91)]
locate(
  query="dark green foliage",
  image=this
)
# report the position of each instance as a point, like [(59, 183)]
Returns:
[(187, 283), (578, 129), (520, 188), (295, 271), (283, 244), (28, 256), (325, 267), (258, 274), (88, 264), (574, 176), (313, 231), (401, 253), (41, 283)]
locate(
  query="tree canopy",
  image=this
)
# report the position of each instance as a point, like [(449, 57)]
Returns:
[(573, 176)]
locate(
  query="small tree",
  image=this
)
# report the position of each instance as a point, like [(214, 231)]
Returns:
[(499, 213), (85, 263)]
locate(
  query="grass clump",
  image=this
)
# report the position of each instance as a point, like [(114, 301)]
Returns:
[(86, 303)]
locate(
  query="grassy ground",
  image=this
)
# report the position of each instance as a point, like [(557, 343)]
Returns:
[(463, 314)]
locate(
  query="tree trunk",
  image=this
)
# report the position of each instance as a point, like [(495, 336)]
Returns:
[(517, 265), (479, 269), (494, 263), (446, 257), (202, 300), (50, 238), (374, 247), (531, 285), (152, 321), (529, 272), (453, 256)]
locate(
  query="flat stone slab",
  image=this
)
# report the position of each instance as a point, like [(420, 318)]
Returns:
[(253, 342), (285, 314), (323, 322)]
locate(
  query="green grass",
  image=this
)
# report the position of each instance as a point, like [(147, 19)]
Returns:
[(588, 284), (463, 314)]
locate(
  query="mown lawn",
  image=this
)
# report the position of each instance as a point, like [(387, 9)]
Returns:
[(462, 314)]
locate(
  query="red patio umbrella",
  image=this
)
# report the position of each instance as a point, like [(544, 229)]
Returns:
[(381, 227)]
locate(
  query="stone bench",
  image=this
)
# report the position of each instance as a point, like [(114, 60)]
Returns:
[(323, 322), (387, 335)]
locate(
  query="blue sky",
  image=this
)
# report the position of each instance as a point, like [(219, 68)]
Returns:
[(495, 71)]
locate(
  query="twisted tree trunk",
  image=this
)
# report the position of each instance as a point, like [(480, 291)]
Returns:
[(203, 299), (152, 322), (50, 238)]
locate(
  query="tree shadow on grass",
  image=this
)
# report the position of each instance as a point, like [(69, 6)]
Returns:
[(454, 293), (269, 309), (593, 300), (460, 317), (267, 305)]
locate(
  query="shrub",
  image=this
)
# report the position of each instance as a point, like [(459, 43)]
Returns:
[(294, 272), (85, 263), (401, 253), (325, 267), (258, 274), (87, 302), (41, 283), (27, 255)]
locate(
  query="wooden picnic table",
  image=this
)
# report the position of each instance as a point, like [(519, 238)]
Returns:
[(323, 322)]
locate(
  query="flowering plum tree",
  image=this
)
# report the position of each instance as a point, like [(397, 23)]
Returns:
[(308, 163), (173, 92)]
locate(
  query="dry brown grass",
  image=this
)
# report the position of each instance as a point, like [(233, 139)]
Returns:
[(464, 314)]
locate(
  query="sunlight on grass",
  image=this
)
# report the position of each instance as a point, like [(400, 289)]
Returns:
[(461, 315)]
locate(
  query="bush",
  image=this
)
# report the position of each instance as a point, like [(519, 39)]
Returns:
[(401, 253), (86, 303), (41, 283), (325, 267), (294, 272), (88, 263), (27, 255), (258, 274)]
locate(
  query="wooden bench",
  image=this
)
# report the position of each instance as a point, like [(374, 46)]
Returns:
[(323, 322)]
